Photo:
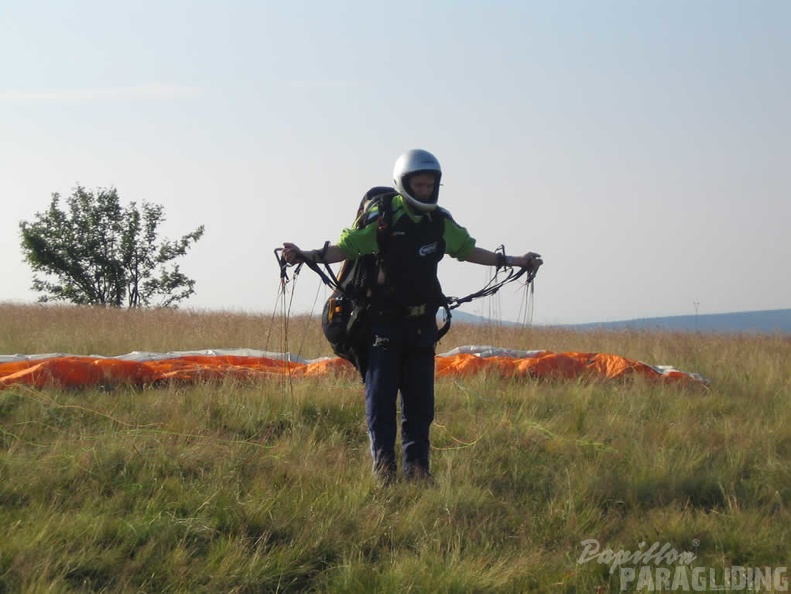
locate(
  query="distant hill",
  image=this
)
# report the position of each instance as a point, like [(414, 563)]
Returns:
[(763, 322)]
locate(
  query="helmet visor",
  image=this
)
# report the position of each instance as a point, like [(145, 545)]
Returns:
[(423, 186)]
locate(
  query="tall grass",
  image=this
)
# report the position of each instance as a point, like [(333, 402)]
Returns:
[(266, 486)]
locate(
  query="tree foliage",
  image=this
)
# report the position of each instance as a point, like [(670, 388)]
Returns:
[(99, 252)]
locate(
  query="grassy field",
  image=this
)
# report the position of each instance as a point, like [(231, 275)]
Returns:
[(266, 487)]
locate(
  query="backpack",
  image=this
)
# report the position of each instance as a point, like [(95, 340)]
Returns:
[(346, 317)]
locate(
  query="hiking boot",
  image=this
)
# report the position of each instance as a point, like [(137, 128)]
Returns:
[(419, 474), (385, 473)]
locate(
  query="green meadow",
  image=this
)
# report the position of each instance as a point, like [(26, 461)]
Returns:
[(252, 487)]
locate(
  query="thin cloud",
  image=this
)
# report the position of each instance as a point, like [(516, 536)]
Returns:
[(323, 83), (142, 91)]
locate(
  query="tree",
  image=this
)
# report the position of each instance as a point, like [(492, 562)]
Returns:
[(102, 253)]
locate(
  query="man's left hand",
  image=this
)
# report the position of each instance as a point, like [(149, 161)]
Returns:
[(530, 260)]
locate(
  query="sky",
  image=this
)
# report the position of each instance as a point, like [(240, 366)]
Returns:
[(642, 147)]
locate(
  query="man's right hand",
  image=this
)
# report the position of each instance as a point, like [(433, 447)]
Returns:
[(292, 254)]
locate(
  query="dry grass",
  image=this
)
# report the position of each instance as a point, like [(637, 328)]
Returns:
[(86, 330), (265, 487)]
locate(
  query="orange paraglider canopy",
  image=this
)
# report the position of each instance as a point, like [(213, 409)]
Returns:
[(139, 368)]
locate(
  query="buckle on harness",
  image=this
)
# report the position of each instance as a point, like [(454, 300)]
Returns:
[(414, 311), (334, 308)]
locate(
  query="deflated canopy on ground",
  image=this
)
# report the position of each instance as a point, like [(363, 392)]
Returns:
[(141, 368)]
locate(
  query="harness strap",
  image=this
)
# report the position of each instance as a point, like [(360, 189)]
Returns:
[(451, 302), (327, 278), (491, 289)]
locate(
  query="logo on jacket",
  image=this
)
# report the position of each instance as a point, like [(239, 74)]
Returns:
[(427, 249)]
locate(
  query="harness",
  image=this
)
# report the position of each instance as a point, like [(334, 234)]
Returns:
[(356, 296)]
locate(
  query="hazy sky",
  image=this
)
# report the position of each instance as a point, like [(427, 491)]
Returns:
[(642, 147)]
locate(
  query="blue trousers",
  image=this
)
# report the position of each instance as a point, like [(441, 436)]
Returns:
[(401, 360)]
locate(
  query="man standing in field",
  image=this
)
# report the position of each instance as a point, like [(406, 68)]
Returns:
[(405, 296)]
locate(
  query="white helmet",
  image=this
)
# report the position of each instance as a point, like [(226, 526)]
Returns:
[(407, 165)]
